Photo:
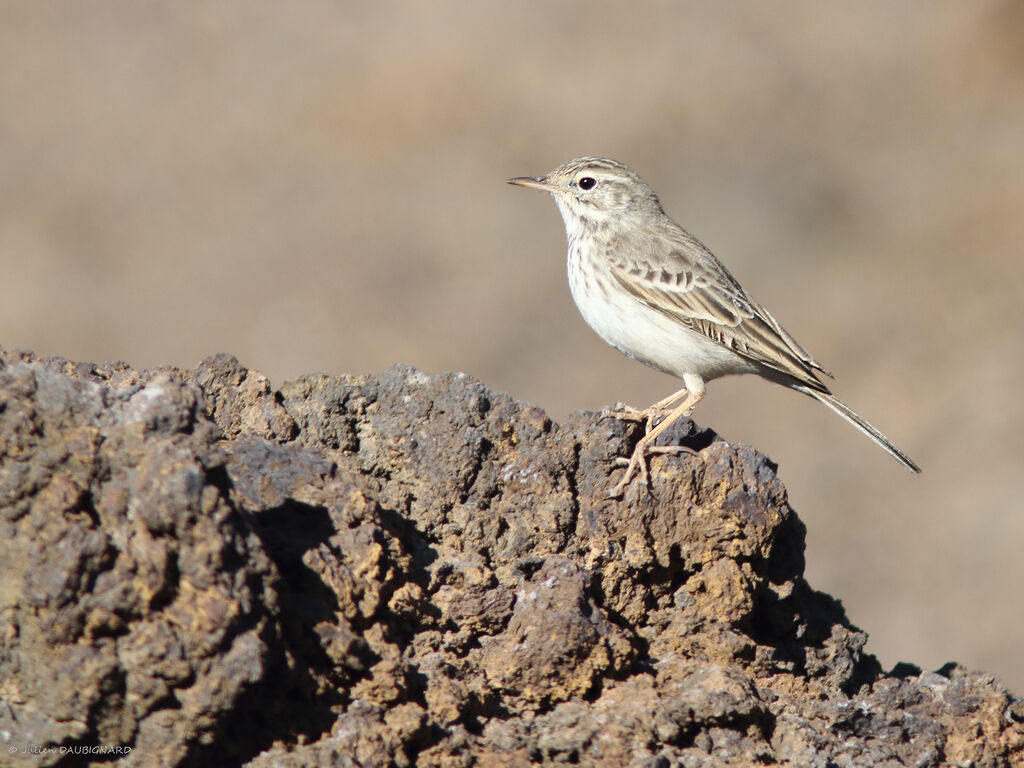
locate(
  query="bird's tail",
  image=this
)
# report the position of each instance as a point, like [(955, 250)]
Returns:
[(859, 422)]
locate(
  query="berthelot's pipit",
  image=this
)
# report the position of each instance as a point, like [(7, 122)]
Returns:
[(658, 295)]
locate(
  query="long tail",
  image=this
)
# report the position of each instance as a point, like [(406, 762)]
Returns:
[(859, 422)]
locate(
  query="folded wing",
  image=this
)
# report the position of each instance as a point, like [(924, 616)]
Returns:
[(709, 301)]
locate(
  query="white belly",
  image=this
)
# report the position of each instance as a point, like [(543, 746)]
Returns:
[(648, 336)]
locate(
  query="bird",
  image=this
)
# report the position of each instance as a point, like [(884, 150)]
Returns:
[(658, 295)]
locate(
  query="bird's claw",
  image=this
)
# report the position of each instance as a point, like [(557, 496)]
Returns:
[(625, 412), (637, 463), (649, 416)]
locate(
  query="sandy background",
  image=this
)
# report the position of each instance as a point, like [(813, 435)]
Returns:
[(319, 186)]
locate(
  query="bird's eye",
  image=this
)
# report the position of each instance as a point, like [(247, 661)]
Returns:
[(587, 182)]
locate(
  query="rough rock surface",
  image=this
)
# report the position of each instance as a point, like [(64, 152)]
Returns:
[(402, 569)]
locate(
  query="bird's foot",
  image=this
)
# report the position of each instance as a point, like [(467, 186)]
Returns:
[(649, 415), (637, 464), (625, 412)]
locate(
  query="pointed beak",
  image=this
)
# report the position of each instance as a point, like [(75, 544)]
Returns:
[(534, 182)]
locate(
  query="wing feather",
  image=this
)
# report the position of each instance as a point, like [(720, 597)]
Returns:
[(687, 283)]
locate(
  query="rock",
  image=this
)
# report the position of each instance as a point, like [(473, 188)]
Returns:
[(403, 569)]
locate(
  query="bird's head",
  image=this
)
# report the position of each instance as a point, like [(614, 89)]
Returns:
[(595, 191)]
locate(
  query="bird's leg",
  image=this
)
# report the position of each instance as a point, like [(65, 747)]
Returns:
[(638, 462)]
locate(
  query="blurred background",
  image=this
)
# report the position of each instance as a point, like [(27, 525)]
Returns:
[(319, 186)]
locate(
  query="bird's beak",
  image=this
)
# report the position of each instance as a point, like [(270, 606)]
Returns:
[(535, 182)]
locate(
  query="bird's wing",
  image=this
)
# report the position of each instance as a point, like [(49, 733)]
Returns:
[(683, 280)]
